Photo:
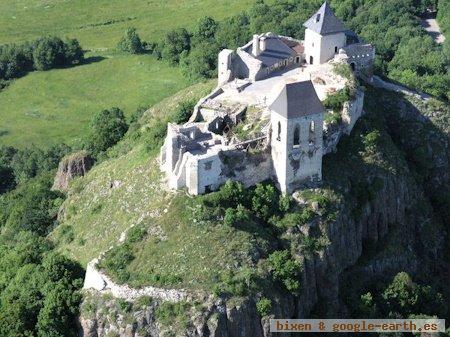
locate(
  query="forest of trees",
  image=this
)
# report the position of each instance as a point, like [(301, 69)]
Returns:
[(38, 287), (41, 54)]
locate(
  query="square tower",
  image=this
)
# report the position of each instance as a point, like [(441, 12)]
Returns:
[(324, 35), (297, 136)]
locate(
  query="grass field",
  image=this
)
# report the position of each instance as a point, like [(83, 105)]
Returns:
[(50, 107), (100, 23)]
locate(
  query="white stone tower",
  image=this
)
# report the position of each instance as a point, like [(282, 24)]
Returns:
[(324, 35), (296, 139)]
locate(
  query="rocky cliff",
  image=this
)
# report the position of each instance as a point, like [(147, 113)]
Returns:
[(382, 201), (71, 166)]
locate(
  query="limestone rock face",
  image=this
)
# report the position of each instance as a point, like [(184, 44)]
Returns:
[(71, 166)]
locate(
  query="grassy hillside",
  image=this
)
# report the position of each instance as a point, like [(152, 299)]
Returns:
[(98, 24), (50, 107), (97, 214)]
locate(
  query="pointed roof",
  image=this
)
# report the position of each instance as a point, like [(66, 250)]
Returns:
[(324, 21), (297, 99)]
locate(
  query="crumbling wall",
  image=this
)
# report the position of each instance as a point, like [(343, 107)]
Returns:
[(248, 167), (208, 172)]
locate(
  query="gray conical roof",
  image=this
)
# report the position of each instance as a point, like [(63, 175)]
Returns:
[(324, 21)]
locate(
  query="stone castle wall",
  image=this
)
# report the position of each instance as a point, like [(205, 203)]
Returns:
[(208, 172)]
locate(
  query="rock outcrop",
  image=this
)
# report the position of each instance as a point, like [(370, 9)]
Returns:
[(71, 166)]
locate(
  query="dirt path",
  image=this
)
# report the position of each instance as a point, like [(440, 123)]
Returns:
[(432, 27)]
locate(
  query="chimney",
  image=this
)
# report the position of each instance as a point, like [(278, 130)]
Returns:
[(262, 44), (255, 45)]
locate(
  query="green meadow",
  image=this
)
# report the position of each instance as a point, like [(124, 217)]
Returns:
[(45, 108), (55, 106), (98, 24)]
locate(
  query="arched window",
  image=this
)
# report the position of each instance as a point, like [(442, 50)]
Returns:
[(311, 127), (335, 50), (279, 131), (296, 136)]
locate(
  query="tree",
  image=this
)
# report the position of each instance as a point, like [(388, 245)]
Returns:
[(31, 207), (233, 32), (6, 179), (73, 53), (48, 52), (175, 42), (107, 127), (206, 29), (201, 62), (130, 42)]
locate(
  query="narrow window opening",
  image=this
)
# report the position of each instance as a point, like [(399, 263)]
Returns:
[(312, 128), (352, 66), (297, 136), (279, 131), (335, 50), (311, 60), (317, 17)]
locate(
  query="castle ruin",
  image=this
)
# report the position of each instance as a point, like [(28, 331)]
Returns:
[(265, 120)]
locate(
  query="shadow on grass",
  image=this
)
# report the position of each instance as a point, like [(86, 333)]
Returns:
[(89, 60)]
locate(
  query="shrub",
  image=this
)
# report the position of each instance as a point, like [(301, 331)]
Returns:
[(107, 127), (235, 216), (155, 135), (238, 283), (130, 42), (169, 313), (230, 195), (123, 305), (344, 70), (372, 140), (264, 306), (265, 201), (286, 270), (336, 100), (136, 234), (285, 203), (183, 112), (116, 261)]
